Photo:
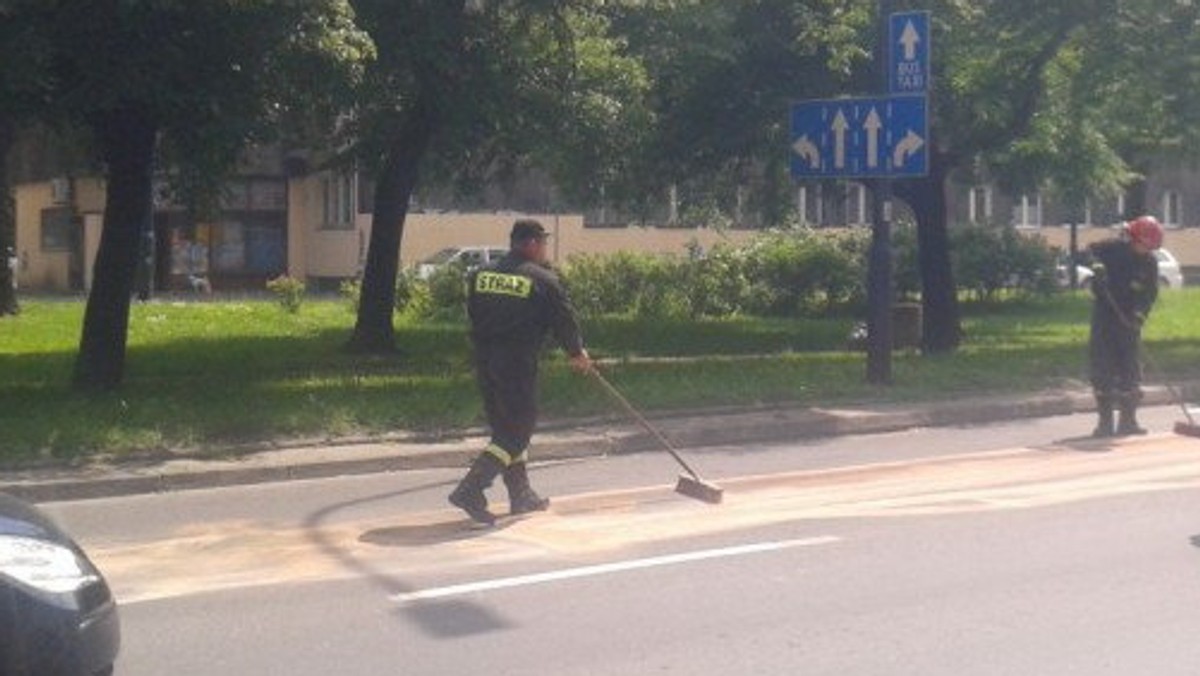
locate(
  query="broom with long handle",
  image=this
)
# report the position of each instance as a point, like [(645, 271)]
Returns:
[(689, 484), (1188, 428)]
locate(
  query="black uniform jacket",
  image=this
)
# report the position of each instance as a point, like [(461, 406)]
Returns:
[(515, 302), (1130, 279)]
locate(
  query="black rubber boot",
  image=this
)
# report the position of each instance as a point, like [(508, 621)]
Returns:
[(469, 497), (1128, 426), (521, 497), (1104, 412)]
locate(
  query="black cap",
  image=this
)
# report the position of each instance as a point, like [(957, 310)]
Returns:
[(525, 230)]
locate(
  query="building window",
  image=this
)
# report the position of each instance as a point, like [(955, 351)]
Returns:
[(338, 198), (257, 194), (57, 229), (1028, 212), (979, 205), (1172, 208)]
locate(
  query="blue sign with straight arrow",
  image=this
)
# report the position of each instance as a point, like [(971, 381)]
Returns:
[(860, 137), (909, 46)]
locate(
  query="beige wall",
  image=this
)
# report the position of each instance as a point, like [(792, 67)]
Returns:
[(37, 269), (317, 252), (50, 270), (1183, 243)]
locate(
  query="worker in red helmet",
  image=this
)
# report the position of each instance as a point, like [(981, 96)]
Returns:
[(1125, 286)]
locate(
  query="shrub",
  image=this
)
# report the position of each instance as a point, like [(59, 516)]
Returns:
[(442, 296), (799, 272), (783, 273), (351, 291), (289, 292), (987, 260), (715, 284)]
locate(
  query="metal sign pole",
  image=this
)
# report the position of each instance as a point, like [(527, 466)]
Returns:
[(879, 276)]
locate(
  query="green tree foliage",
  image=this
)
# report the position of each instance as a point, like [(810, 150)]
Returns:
[(195, 80), (465, 92), (722, 75), (25, 83), (1134, 77)]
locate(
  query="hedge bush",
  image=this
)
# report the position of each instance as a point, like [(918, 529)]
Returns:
[(790, 273), (986, 260)]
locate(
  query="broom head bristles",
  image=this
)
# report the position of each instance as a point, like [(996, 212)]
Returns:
[(700, 490), (1187, 429)]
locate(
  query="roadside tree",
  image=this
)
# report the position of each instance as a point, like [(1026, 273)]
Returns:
[(464, 91), (192, 83), (722, 77), (25, 83)]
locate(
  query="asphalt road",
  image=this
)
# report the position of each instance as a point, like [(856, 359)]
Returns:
[(1005, 549)]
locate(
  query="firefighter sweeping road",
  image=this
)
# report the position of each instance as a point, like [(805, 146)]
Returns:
[(1020, 547)]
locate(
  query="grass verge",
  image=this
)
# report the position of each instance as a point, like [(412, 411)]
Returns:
[(202, 376)]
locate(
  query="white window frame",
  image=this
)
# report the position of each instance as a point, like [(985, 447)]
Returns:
[(976, 214), (1027, 208), (1172, 208), (338, 196)]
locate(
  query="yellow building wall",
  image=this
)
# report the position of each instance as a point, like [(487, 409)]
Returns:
[(314, 251), (50, 270), (37, 269)]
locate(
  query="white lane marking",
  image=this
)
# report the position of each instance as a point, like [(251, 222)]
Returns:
[(607, 568)]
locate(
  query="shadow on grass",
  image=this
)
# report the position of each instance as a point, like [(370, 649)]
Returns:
[(260, 358)]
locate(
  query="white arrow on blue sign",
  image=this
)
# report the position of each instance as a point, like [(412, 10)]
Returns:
[(909, 48), (861, 137)]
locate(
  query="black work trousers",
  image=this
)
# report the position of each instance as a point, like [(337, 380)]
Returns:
[(1116, 369), (507, 377)]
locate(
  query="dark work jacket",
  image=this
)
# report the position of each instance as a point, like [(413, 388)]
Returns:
[(516, 302), (1129, 278)]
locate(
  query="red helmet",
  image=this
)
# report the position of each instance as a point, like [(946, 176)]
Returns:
[(1145, 230)]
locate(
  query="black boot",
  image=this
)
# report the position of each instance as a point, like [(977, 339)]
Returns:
[(521, 497), (1104, 411), (469, 497), (1128, 426)]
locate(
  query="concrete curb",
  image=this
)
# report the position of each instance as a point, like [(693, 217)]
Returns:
[(556, 441)]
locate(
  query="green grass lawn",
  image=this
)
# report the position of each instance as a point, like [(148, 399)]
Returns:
[(201, 376)]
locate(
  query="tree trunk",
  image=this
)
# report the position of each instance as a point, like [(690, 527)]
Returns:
[(8, 224), (374, 332), (941, 330), (127, 138)]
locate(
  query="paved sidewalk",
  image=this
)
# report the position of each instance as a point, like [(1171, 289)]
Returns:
[(555, 440)]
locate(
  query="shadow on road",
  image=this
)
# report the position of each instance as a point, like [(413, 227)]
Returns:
[(1083, 444), (438, 619), (1196, 540), (428, 533)]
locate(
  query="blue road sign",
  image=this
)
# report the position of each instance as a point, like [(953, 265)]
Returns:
[(861, 137), (909, 46)]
